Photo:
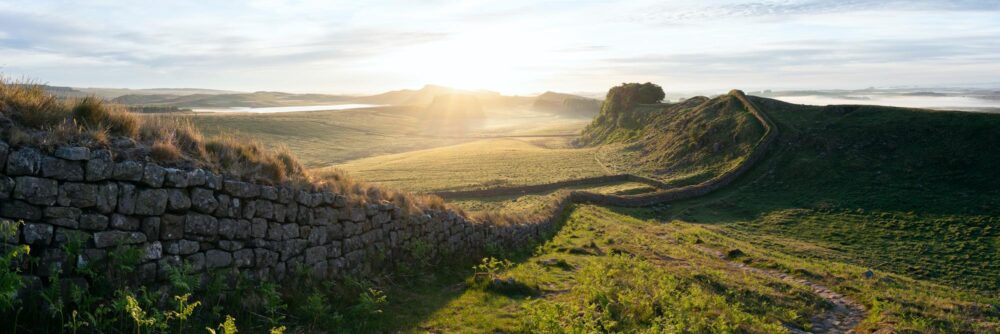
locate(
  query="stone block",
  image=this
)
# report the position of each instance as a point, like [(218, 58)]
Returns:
[(215, 258), (126, 198), (172, 227), (37, 233), (178, 200), (269, 193), (36, 190), (290, 231), (181, 247), (25, 161), (197, 178), (113, 238), (153, 175), (151, 228), (241, 189), (152, 251), (20, 210), (176, 178), (227, 228), (60, 169), (6, 186), (151, 202), (73, 153), (258, 228), (200, 224), (203, 200), (128, 171), (315, 254), (107, 197), (80, 195), (243, 258), (265, 258), (230, 245), (196, 261), (123, 222), (100, 167)]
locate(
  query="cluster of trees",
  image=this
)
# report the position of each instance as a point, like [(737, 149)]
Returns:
[(617, 112)]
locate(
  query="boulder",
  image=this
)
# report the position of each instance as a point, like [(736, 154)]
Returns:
[(151, 202), (60, 169), (128, 171), (152, 251), (227, 228), (26, 161), (107, 197), (36, 190), (100, 167), (73, 153)]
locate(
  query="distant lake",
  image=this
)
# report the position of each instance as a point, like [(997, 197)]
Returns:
[(966, 103), (288, 109)]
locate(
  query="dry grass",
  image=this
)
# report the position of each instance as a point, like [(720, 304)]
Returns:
[(43, 120)]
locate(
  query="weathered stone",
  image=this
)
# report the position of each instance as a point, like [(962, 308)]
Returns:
[(230, 245), (200, 224), (227, 228), (36, 190), (178, 200), (20, 210), (265, 209), (305, 216), (249, 209), (100, 166), (196, 261), (265, 258), (153, 175), (197, 178), (62, 212), (285, 195), (175, 178), (81, 195), (334, 250), (203, 200), (26, 161), (62, 169), (241, 189), (152, 251), (126, 198), (127, 223), (258, 228), (113, 238), (213, 181), (242, 229), (217, 259), (171, 227), (37, 234), (73, 153), (4, 150), (151, 228), (290, 231), (318, 236), (279, 212), (269, 193), (222, 210), (151, 202), (315, 254), (107, 197), (275, 231), (6, 186), (293, 247), (243, 258), (181, 247), (70, 223), (128, 171)]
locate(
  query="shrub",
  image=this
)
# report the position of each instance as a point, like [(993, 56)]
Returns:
[(92, 113), (165, 151), (29, 105)]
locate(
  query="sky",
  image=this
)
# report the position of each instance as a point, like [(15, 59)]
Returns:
[(510, 46)]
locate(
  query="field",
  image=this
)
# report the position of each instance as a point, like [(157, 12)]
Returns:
[(324, 138), (534, 202), (480, 164)]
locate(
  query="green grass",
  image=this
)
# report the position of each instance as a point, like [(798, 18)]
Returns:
[(480, 164), (536, 202)]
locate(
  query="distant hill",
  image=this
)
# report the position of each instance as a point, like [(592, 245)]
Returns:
[(566, 105), (252, 100), (426, 95)]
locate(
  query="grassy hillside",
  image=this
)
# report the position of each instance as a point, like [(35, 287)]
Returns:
[(480, 164), (909, 191), (253, 100), (680, 143)]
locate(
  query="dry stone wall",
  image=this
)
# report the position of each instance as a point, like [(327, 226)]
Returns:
[(212, 222)]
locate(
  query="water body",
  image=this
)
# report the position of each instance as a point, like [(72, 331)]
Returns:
[(964, 103), (289, 109)]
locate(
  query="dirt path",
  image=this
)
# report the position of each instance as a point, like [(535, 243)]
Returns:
[(845, 314)]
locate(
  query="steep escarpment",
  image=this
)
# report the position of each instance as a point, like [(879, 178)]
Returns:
[(680, 143)]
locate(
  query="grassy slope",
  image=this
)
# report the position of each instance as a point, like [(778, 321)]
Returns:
[(614, 270), (683, 143), (484, 163), (908, 191)]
